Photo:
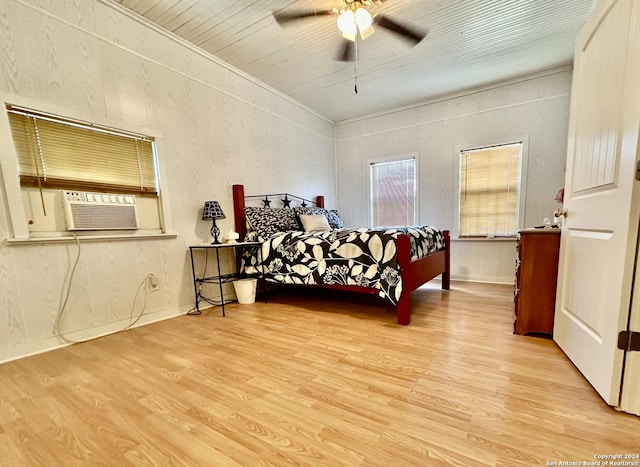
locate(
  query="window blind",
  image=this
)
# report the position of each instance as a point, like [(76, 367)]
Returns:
[(61, 153), (393, 192), (490, 190)]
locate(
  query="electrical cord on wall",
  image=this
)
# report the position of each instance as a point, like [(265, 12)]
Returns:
[(65, 298)]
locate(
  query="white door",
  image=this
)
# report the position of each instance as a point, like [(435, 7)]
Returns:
[(599, 233), (630, 400)]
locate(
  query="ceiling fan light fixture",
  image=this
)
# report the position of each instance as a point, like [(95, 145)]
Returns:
[(347, 25), (364, 22), (349, 36), (364, 33), (363, 18)]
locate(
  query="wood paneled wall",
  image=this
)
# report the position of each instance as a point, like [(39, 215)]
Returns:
[(214, 125), (536, 108)]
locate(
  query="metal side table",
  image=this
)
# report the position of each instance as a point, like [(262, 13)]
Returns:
[(220, 278)]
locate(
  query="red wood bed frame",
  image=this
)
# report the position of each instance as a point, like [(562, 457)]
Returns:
[(414, 273)]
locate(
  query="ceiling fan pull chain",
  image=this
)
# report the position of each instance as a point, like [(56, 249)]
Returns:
[(355, 68), (355, 81)]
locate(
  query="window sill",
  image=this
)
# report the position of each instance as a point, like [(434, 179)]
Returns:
[(89, 238)]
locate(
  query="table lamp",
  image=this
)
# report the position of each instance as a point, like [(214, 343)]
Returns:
[(212, 210)]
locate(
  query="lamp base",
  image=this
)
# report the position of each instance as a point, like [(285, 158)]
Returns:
[(215, 233)]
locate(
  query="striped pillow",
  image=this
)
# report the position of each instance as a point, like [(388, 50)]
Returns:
[(314, 222)]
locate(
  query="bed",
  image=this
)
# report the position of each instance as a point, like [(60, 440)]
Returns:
[(388, 262)]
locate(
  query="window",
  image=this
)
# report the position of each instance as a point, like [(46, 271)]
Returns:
[(56, 152), (490, 190), (393, 192)]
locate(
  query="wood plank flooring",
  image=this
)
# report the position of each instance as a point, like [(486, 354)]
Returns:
[(312, 379)]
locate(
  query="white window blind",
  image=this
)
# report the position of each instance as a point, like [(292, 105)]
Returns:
[(393, 192), (62, 153), (490, 190)]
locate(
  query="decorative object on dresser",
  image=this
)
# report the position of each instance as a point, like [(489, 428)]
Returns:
[(390, 262), (559, 213), (536, 278), (212, 210)]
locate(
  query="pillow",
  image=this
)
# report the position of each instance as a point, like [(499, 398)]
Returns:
[(267, 221), (334, 219), (331, 214), (314, 222)]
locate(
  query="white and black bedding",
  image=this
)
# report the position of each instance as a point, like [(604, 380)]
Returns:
[(359, 257)]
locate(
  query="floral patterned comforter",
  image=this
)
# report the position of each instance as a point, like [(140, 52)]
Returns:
[(363, 257)]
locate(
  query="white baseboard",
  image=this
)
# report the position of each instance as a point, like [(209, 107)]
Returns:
[(15, 352), (485, 280)]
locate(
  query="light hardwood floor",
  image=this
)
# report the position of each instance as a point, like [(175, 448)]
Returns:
[(312, 380)]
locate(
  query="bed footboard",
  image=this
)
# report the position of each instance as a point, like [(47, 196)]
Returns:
[(418, 272)]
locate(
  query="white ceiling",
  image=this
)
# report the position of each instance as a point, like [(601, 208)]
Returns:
[(470, 43)]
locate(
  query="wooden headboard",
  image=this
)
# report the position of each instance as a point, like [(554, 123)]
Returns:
[(240, 201)]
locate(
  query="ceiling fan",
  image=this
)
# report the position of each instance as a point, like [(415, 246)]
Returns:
[(354, 16)]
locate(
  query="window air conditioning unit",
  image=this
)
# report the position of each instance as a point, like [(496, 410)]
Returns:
[(99, 211)]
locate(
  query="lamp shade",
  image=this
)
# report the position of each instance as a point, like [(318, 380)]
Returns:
[(363, 20), (212, 210), (347, 25)]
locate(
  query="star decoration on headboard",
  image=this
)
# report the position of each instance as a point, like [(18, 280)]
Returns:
[(304, 204), (286, 202), (267, 202)]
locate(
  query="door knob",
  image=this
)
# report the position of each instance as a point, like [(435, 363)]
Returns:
[(560, 212)]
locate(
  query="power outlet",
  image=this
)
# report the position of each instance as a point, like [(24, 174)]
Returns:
[(153, 283)]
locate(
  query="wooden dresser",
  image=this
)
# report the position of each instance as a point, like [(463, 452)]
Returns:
[(536, 278)]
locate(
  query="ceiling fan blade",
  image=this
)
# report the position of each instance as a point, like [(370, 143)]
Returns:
[(347, 52), (412, 35), (284, 17)]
